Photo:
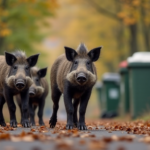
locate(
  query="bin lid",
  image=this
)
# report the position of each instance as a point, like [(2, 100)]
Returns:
[(123, 64), (98, 85), (139, 57), (115, 77)]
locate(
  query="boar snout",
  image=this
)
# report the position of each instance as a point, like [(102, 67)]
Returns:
[(32, 92), (20, 83), (81, 77)]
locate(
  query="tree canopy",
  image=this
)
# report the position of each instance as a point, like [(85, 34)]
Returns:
[(20, 21)]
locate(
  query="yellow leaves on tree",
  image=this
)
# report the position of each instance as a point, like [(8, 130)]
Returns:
[(147, 20), (49, 4), (136, 2), (19, 22), (129, 21), (3, 13), (5, 32), (131, 11), (121, 15)]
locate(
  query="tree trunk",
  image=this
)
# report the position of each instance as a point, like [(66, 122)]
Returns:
[(146, 38), (119, 38), (120, 34), (110, 66), (1, 43), (133, 38), (145, 29), (2, 39)]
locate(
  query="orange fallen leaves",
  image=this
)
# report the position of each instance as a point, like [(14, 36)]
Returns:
[(82, 142), (42, 129), (145, 139), (8, 128), (64, 144), (134, 127), (33, 130), (5, 136), (29, 137), (64, 138), (97, 145)]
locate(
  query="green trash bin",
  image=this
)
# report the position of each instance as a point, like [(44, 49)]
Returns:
[(124, 105), (110, 94), (139, 83)]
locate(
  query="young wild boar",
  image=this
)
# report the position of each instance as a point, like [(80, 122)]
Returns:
[(38, 92), (74, 75), (15, 79)]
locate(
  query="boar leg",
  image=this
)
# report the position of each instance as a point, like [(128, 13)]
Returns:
[(83, 104), (75, 117), (32, 114), (34, 107), (40, 112), (18, 98), (2, 121), (20, 111), (69, 106), (11, 106), (24, 106), (55, 98)]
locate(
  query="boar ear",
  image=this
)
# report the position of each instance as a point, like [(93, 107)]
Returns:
[(70, 53), (10, 58), (95, 53), (32, 60), (42, 72)]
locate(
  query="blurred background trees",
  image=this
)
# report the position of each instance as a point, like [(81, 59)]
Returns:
[(133, 23), (20, 21), (122, 27), (133, 14)]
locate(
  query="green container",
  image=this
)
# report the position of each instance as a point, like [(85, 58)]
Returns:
[(111, 93), (124, 92), (139, 81)]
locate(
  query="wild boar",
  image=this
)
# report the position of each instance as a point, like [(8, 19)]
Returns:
[(38, 92), (74, 75), (15, 79)]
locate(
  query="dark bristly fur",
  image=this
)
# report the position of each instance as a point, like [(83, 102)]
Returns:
[(21, 56), (74, 75), (82, 50), (15, 79), (38, 100)]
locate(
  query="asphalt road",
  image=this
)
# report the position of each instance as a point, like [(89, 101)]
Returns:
[(75, 143)]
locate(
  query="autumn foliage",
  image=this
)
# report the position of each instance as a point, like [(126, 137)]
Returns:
[(65, 139), (20, 21)]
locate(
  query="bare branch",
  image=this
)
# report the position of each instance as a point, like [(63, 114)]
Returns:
[(103, 11)]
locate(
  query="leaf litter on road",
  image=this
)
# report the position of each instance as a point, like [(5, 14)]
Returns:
[(63, 138)]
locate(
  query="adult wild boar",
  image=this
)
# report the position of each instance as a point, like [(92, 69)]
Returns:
[(38, 92), (15, 79), (74, 75)]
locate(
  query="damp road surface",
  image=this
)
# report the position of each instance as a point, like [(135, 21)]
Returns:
[(68, 140)]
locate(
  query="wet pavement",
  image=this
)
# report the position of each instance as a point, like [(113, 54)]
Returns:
[(22, 139)]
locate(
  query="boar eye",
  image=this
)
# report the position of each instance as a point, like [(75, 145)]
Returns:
[(88, 63), (15, 67), (75, 62), (27, 68), (37, 80)]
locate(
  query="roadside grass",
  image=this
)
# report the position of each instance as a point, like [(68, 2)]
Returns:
[(126, 117), (145, 116)]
